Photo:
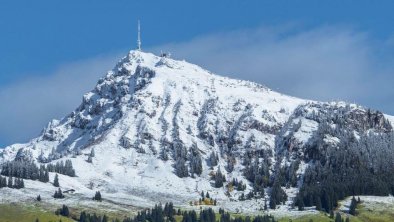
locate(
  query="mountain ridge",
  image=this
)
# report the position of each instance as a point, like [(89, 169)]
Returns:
[(126, 66), (154, 124)]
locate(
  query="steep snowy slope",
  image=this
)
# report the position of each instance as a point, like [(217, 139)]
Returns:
[(152, 120), (145, 96)]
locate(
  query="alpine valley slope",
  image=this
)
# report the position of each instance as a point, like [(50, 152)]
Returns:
[(154, 122)]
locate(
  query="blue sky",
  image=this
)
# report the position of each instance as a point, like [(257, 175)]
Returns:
[(51, 52), (37, 36)]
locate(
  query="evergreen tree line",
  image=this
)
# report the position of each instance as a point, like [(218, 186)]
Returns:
[(64, 211), (29, 170), (166, 214), (187, 160), (187, 163), (213, 159), (338, 217), (180, 152), (83, 217), (278, 195), (207, 199), (65, 168), (15, 183), (25, 170), (206, 215), (238, 185), (248, 196), (256, 171), (58, 194), (86, 217), (362, 166), (156, 214), (358, 160), (218, 178), (195, 161), (226, 217)]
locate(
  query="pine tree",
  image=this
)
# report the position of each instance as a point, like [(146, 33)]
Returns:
[(38, 198), (353, 206), (16, 183), (41, 174), (265, 205), (242, 197), (181, 168), (61, 168), (90, 160), (92, 153), (10, 182), (64, 211), (46, 176), (219, 179), (278, 195), (338, 217), (207, 215), (97, 196), (225, 217), (230, 164), (300, 203), (22, 184), (58, 194), (195, 161), (272, 203), (213, 159), (83, 217), (1, 182), (68, 169), (163, 154), (317, 202), (56, 181), (21, 169)]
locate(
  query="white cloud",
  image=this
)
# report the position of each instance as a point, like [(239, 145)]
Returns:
[(327, 63)]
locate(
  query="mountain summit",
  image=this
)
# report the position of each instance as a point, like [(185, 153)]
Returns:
[(147, 98), (158, 129)]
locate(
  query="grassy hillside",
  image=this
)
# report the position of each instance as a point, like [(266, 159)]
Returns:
[(376, 214), (17, 213), (367, 212), (364, 214)]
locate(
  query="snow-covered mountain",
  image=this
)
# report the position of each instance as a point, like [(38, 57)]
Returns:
[(154, 122)]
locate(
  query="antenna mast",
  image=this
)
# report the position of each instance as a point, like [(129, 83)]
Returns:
[(139, 36)]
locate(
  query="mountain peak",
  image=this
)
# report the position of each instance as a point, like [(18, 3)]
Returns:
[(156, 124), (149, 60), (141, 57), (145, 83)]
